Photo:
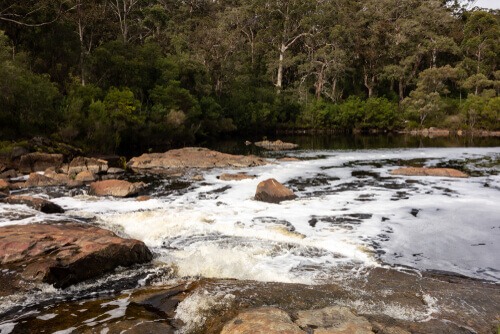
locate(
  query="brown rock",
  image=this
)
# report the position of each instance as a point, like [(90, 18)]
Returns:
[(74, 184), (4, 185), (265, 320), (67, 253), (236, 177), (39, 204), (197, 177), (333, 320), (8, 174), (38, 162), (191, 157), (272, 191), (116, 188), (435, 132), (142, 198), (80, 164), (114, 170), (277, 145), (289, 159), (85, 176), (422, 171), (39, 180)]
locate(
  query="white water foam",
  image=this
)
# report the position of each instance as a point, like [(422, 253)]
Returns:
[(344, 216)]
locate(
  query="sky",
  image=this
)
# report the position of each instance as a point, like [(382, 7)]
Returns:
[(495, 4)]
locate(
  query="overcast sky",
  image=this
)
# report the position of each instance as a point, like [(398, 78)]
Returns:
[(488, 3)]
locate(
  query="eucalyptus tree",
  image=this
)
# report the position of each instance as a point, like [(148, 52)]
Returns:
[(287, 24), (481, 46)]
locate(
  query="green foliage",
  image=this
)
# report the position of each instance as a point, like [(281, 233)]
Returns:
[(151, 74), (481, 112), (354, 113), (28, 101), (116, 118)]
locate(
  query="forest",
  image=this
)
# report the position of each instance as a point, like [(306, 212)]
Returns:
[(110, 75)]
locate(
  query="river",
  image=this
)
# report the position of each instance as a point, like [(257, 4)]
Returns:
[(350, 214)]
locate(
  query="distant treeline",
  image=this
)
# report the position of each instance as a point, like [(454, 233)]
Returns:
[(110, 75)]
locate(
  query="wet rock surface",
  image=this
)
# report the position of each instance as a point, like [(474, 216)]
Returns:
[(39, 204), (115, 188), (192, 157), (377, 301), (442, 172), (236, 177), (272, 191), (65, 254), (261, 321)]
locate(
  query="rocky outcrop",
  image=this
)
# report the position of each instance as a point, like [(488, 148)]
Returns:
[(81, 164), (272, 191), (191, 157), (270, 320), (422, 171), (38, 162), (116, 188), (265, 320), (236, 177), (277, 145), (67, 253), (39, 204)]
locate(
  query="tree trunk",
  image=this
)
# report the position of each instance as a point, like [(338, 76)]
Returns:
[(401, 90), (279, 79), (369, 84)]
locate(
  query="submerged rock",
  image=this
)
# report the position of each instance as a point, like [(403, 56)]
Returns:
[(116, 188), (65, 254), (277, 145), (191, 157), (39, 204), (423, 171), (272, 191), (236, 177), (38, 162)]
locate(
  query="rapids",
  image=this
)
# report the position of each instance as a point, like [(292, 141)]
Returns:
[(351, 214)]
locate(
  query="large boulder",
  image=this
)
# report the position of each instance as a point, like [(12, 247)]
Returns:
[(265, 320), (66, 253), (272, 191), (422, 171), (116, 188), (38, 162), (277, 145), (191, 157), (81, 164), (39, 204)]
